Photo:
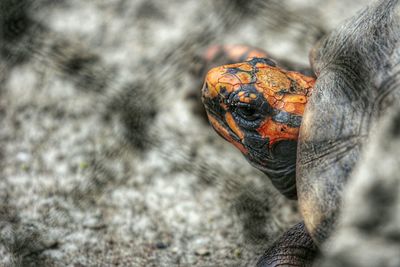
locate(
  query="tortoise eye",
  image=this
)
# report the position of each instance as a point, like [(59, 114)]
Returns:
[(245, 106), (247, 111)]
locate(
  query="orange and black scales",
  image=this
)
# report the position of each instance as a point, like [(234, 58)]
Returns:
[(254, 95)]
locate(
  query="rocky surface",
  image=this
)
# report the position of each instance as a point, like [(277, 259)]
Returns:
[(105, 156)]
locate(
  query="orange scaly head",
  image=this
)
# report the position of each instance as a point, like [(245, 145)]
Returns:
[(258, 107)]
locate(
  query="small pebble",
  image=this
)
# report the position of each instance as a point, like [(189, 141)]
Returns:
[(161, 245), (238, 253), (202, 252), (93, 223), (23, 157)]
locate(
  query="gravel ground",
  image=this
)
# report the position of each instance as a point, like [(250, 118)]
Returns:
[(106, 158)]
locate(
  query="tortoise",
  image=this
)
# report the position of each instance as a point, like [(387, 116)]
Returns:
[(306, 133)]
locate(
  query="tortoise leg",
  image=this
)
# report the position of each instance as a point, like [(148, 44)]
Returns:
[(294, 248)]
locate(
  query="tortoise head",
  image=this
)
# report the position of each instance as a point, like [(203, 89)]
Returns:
[(258, 108)]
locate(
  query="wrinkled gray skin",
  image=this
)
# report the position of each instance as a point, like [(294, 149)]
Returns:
[(358, 81)]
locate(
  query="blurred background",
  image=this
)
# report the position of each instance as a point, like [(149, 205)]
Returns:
[(106, 158)]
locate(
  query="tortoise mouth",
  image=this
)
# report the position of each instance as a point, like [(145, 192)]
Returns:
[(224, 125)]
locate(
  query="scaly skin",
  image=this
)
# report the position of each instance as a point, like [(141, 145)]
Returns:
[(257, 106)]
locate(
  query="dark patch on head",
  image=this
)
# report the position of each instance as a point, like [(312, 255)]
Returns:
[(256, 143), (266, 61), (233, 70), (293, 85), (249, 88), (251, 73), (285, 150), (223, 91), (287, 118)]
